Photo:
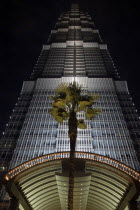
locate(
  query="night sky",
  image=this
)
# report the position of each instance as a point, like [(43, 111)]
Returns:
[(29, 25)]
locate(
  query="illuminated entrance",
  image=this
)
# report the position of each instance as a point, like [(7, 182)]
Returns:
[(100, 183)]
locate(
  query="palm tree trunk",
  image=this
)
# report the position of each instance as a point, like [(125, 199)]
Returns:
[(73, 135)]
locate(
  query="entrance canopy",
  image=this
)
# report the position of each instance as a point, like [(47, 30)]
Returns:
[(99, 183)]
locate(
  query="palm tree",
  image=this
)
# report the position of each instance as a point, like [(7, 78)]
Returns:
[(68, 101)]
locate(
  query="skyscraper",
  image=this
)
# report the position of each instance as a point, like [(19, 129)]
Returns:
[(74, 52)]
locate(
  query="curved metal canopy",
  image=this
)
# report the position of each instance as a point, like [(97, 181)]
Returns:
[(100, 183)]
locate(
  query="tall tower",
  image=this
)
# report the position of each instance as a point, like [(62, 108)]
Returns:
[(74, 52)]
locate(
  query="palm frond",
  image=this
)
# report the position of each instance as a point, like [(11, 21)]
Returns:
[(59, 114), (59, 103), (68, 97), (81, 124), (92, 112)]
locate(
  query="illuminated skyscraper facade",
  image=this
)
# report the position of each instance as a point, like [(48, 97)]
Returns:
[(74, 51)]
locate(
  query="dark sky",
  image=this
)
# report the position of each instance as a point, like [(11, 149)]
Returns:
[(28, 28)]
